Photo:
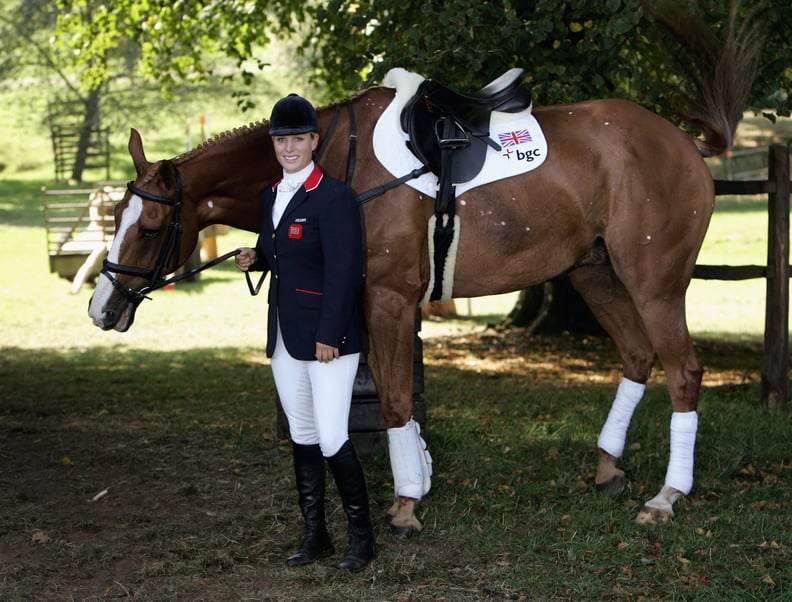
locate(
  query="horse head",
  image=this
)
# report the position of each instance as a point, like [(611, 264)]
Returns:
[(155, 234)]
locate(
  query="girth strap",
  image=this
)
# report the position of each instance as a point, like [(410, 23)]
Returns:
[(450, 138)]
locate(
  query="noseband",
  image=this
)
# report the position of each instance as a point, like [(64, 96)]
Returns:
[(169, 248)]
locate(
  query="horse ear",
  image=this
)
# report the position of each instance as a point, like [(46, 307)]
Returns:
[(136, 150), (167, 171)]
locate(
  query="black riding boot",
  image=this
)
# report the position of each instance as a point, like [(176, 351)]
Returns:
[(351, 482), (309, 470)]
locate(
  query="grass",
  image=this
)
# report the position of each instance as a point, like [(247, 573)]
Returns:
[(199, 503), (174, 421)]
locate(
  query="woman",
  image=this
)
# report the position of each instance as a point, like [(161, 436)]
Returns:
[(310, 241)]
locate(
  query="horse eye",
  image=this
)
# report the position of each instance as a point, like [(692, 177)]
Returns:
[(148, 234)]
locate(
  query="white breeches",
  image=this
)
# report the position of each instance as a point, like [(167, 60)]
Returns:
[(411, 462), (316, 397)]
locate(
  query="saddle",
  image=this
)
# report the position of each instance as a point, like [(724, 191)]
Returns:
[(439, 118), (449, 132)]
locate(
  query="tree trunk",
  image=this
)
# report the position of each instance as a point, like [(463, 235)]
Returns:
[(89, 126), (553, 308)]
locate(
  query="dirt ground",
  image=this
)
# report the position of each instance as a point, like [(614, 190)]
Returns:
[(98, 505)]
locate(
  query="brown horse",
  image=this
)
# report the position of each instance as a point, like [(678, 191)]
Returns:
[(621, 205)]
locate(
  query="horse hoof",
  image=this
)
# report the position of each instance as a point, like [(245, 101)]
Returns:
[(653, 516), (399, 532), (612, 488), (402, 532)]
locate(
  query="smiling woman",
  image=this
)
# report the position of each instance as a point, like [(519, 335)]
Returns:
[(310, 241)]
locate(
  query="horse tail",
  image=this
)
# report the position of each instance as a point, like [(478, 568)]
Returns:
[(718, 75)]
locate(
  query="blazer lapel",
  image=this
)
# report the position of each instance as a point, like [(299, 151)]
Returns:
[(302, 193), (298, 198)]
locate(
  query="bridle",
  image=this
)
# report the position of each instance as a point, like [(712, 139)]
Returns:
[(166, 255)]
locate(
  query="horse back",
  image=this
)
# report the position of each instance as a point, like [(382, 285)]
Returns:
[(614, 172)]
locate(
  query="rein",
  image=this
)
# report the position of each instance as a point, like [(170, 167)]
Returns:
[(352, 156)]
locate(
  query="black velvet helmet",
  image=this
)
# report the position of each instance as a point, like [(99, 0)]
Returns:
[(293, 115)]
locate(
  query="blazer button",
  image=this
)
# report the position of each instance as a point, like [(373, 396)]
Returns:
[(273, 236)]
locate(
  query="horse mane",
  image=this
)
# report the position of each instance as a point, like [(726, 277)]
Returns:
[(238, 133), (717, 75), (226, 137)]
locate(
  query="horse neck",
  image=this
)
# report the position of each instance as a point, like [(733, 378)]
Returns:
[(224, 176), (367, 105)]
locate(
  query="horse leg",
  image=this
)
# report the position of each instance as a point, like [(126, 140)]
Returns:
[(391, 323), (411, 465), (665, 321), (610, 480), (660, 326), (615, 310)]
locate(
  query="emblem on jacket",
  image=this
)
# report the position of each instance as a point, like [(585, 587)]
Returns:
[(295, 231)]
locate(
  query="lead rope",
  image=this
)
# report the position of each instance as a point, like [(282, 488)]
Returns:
[(254, 289)]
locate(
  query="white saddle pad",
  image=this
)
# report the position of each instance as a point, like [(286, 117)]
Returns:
[(523, 145)]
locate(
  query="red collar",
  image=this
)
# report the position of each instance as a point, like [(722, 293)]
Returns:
[(311, 182)]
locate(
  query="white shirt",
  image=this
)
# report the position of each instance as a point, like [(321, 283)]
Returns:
[(290, 183)]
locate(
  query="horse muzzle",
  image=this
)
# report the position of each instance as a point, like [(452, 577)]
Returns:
[(119, 317)]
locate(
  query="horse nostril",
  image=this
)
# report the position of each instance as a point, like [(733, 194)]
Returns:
[(108, 320)]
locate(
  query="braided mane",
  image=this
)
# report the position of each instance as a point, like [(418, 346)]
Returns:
[(226, 137)]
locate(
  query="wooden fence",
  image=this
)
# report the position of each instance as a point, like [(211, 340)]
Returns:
[(67, 130), (776, 272), (80, 226)]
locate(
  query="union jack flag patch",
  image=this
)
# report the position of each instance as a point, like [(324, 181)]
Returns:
[(507, 139)]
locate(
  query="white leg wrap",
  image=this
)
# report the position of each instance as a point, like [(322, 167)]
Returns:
[(614, 433), (683, 441), (411, 462)]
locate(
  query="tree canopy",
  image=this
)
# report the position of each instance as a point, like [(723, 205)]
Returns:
[(656, 52), (572, 51)]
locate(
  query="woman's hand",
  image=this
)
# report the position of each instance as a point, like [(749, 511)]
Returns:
[(326, 353), (245, 258)]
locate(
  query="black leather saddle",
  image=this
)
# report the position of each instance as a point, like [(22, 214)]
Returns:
[(439, 119)]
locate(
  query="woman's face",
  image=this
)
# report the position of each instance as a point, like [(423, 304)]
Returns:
[(295, 151)]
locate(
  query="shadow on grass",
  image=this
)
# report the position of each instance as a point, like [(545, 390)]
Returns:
[(158, 475)]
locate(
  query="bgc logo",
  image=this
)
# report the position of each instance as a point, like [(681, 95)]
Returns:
[(528, 156)]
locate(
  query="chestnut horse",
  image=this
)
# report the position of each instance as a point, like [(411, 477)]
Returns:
[(621, 205)]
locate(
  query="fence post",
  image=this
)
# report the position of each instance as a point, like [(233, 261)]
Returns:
[(774, 371)]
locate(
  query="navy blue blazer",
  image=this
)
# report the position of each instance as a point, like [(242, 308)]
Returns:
[(315, 260)]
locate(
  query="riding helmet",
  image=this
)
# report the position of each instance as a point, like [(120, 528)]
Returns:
[(293, 115)]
